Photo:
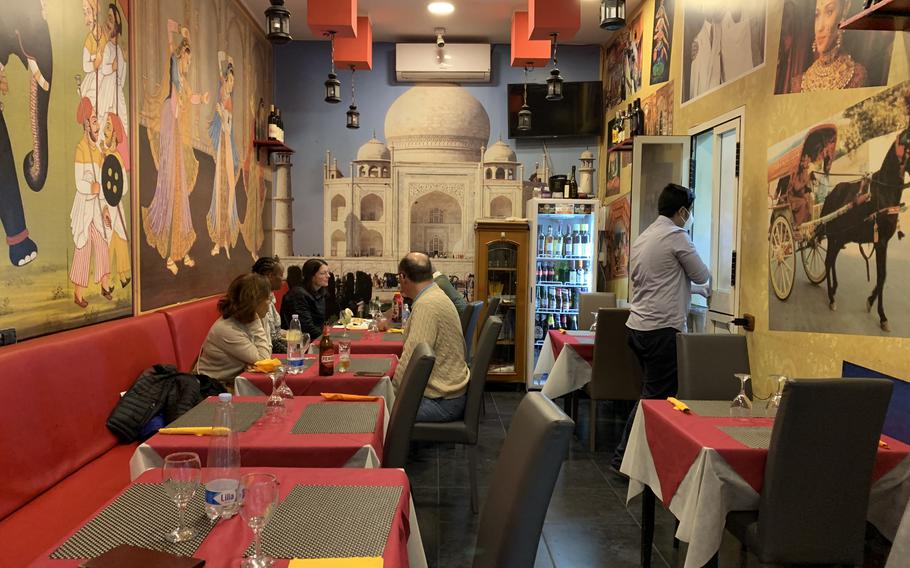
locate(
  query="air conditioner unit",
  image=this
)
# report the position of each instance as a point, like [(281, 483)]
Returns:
[(454, 63)]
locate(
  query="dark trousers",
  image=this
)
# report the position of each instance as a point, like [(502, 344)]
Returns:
[(656, 352)]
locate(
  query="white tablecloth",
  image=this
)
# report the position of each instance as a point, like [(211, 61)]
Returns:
[(712, 488), (567, 373)]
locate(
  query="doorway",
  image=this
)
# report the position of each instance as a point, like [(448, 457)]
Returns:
[(715, 176)]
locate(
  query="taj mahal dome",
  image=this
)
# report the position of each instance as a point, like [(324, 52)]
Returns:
[(425, 186)]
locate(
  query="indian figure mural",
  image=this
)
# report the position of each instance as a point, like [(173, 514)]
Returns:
[(67, 238), (222, 220)]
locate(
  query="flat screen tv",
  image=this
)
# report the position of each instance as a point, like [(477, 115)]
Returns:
[(579, 113)]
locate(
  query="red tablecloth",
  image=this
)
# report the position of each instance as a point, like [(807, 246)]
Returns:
[(273, 445), (675, 439), (374, 343), (309, 383), (585, 349), (227, 542)]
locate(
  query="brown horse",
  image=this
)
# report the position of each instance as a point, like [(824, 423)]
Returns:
[(871, 219)]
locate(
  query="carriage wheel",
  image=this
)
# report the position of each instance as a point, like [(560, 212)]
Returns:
[(813, 255), (781, 258)]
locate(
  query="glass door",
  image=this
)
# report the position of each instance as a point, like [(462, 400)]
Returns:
[(502, 281)]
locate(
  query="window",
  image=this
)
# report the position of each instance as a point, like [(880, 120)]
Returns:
[(436, 216), (435, 247)]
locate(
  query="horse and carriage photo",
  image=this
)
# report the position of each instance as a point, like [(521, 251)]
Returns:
[(838, 183)]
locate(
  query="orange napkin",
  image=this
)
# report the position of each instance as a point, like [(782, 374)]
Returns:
[(196, 431), (362, 562), (562, 331), (338, 396), (678, 404), (266, 365), (883, 444)]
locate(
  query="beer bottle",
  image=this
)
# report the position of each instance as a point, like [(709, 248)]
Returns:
[(326, 354)]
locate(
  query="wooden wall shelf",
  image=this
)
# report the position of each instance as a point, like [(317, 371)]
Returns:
[(886, 15), (624, 146), (270, 146)]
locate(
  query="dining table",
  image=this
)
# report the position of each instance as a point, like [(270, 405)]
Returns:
[(310, 432), (701, 463), (367, 375), (365, 515), (367, 342), (564, 363)]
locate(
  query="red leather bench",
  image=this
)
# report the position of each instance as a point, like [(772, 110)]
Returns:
[(189, 324), (58, 459)]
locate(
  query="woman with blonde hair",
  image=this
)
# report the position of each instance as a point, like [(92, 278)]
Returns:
[(237, 339)]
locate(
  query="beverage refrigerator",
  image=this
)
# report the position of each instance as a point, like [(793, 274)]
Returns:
[(563, 266)]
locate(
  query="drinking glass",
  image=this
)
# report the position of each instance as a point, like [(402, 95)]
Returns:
[(180, 477), (594, 325), (344, 355), (260, 496), (778, 382), (283, 390), (741, 407), (274, 406)]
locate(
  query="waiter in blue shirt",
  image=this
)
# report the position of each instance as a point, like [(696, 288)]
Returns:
[(665, 271)]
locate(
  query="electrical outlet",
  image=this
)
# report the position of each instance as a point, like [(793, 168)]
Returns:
[(8, 336)]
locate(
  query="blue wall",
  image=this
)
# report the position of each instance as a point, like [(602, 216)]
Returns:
[(314, 126)]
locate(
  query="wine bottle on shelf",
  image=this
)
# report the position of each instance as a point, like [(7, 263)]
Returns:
[(572, 185), (538, 328), (551, 322), (541, 241), (577, 250), (273, 124), (280, 125), (639, 117), (585, 250), (549, 241)]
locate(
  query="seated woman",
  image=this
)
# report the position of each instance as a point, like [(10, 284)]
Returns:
[(308, 300), (237, 339), (294, 280), (271, 268)]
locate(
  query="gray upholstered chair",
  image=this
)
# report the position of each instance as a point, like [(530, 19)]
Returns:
[(526, 471), (407, 402), (465, 431), (706, 364), (469, 319), (815, 494), (615, 371), (492, 309), (589, 302)]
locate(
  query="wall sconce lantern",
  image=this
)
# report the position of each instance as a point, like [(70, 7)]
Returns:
[(278, 22), (524, 115), (353, 114), (332, 84), (554, 81), (612, 14)]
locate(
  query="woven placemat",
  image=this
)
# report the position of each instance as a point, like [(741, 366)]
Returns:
[(203, 414), (751, 436), (141, 516), (710, 408), (370, 365), (337, 418), (393, 337), (331, 521)]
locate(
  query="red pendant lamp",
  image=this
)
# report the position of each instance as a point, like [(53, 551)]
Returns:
[(527, 52), (338, 16), (357, 52), (548, 17)]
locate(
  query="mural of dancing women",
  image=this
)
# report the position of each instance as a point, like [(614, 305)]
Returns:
[(222, 220)]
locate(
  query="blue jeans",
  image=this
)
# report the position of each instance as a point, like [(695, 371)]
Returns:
[(441, 409)]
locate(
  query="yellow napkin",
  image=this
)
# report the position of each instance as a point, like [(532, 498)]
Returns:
[(678, 404), (338, 396), (394, 330), (883, 444), (374, 562), (196, 431), (266, 365), (562, 331)]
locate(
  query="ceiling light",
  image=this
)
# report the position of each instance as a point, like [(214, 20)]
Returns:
[(441, 8)]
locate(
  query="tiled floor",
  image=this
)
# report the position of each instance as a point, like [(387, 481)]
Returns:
[(588, 523)]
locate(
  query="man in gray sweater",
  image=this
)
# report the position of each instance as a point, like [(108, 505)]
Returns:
[(434, 320)]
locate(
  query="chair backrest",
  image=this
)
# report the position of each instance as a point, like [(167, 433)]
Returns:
[(819, 470), (492, 309), (469, 319), (522, 484), (615, 373), (404, 411), (589, 302), (706, 364), (479, 366)]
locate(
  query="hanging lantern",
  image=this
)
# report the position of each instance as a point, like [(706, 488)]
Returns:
[(332, 84), (554, 81), (353, 115), (612, 14), (524, 115), (278, 22)]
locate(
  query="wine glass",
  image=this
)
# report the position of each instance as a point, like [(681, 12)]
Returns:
[(741, 407), (594, 325), (778, 382), (260, 496), (274, 406), (283, 390), (180, 477)]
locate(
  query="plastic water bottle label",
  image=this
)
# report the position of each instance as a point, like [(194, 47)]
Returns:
[(222, 496), (295, 362)]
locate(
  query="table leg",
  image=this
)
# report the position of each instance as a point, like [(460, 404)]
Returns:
[(647, 526)]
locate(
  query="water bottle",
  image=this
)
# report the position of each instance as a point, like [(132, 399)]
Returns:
[(222, 473), (405, 313), (295, 346)]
